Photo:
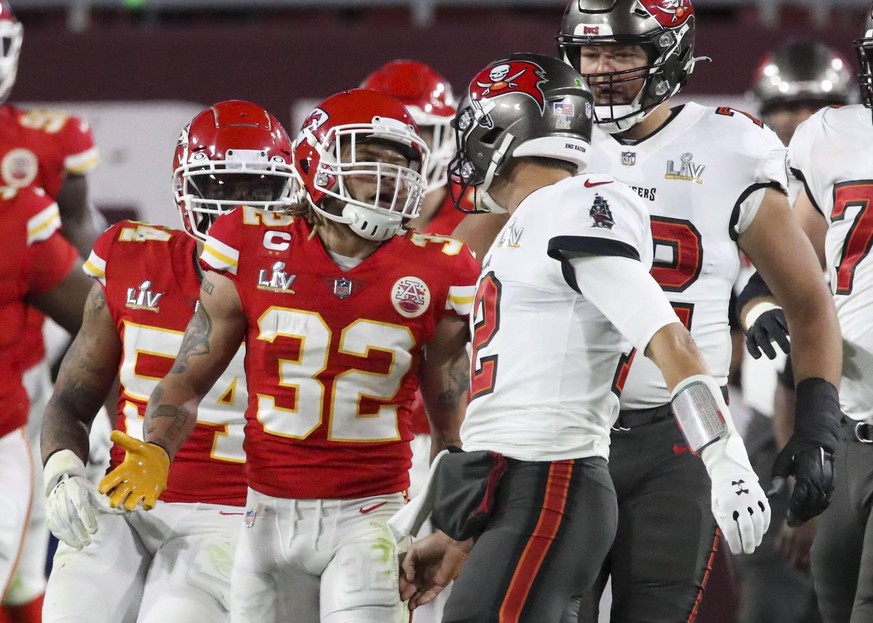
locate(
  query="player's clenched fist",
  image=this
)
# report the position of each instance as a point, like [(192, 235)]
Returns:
[(141, 478)]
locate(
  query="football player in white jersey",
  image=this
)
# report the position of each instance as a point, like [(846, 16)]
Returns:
[(790, 84), (714, 181), (547, 294), (831, 154), (172, 563)]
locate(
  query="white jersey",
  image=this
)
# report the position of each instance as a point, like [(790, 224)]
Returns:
[(697, 175), (832, 152), (544, 357)]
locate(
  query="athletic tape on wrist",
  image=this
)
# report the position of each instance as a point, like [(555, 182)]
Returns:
[(757, 311), (59, 464), (700, 411)]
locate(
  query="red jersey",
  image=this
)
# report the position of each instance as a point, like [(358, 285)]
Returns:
[(40, 148), (152, 288), (333, 355), (443, 223), (35, 259)]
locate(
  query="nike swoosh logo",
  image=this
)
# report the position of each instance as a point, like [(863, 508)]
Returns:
[(226, 513), (590, 184), (370, 509), (677, 449)]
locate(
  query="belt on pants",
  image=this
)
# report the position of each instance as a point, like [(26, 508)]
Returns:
[(631, 418), (859, 431)]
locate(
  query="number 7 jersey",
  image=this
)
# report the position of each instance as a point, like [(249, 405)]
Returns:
[(832, 153), (333, 356), (697, 175)]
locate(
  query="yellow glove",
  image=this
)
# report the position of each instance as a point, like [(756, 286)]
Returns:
[(142, 477)]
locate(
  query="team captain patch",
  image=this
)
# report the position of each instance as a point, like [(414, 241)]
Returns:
[(410, 297)]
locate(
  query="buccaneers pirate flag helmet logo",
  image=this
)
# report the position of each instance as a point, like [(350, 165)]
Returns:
[(504, 77)]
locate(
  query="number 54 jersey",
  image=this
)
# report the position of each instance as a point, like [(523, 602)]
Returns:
[(697, 176), (150, 281), (333, 356), (832, 153)]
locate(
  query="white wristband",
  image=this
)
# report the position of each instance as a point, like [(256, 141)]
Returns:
[(61, 463), (758, 310)]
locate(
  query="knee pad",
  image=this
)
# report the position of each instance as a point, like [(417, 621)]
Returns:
[(210, 571), (363, 573)]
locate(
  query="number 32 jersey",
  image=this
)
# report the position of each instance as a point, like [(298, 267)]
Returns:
[(150, 281), (697, 176), (832, 153), (333, 356)]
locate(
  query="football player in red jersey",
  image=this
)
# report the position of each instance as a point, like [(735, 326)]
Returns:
[(428, 97), (53, 151), (343, 314), (172, 564), (39, 268)]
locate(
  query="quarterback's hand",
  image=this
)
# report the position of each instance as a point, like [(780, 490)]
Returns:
[(738, 503), (142, 477), (741, 511), (768, 327), (71, 502), (429, 566)]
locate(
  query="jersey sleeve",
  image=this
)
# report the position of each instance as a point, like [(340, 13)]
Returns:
[(51, 257), (638, 308), (221, 250), (95, 265), (80, 152), (763, 147), (800, 152), (600, 216), (463, 286)]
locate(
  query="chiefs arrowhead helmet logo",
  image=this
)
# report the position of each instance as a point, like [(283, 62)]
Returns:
[(502, 78), (315, 120), (669, 13)]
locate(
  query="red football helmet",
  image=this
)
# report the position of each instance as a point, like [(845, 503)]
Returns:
[(428, 97), (11, 36), (232, 153), (326, 157)]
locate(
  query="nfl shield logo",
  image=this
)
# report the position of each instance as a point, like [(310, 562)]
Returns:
[(628, 158), (250, 518), (342, 288)]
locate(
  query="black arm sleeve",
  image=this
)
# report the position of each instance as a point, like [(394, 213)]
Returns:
[(754, 289)]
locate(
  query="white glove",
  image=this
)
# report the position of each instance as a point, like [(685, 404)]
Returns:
[(739, 504), (71, 500)]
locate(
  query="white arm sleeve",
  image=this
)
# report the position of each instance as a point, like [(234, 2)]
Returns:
[(623, 290)]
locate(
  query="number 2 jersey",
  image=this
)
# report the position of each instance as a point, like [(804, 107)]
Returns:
[(40, 148), (150, 280), (545, 358), (832, 153), (333, 356), (36, 258), (697, 175)]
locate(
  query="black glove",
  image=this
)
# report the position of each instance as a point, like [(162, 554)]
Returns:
[(769, 327), (809, 454)]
